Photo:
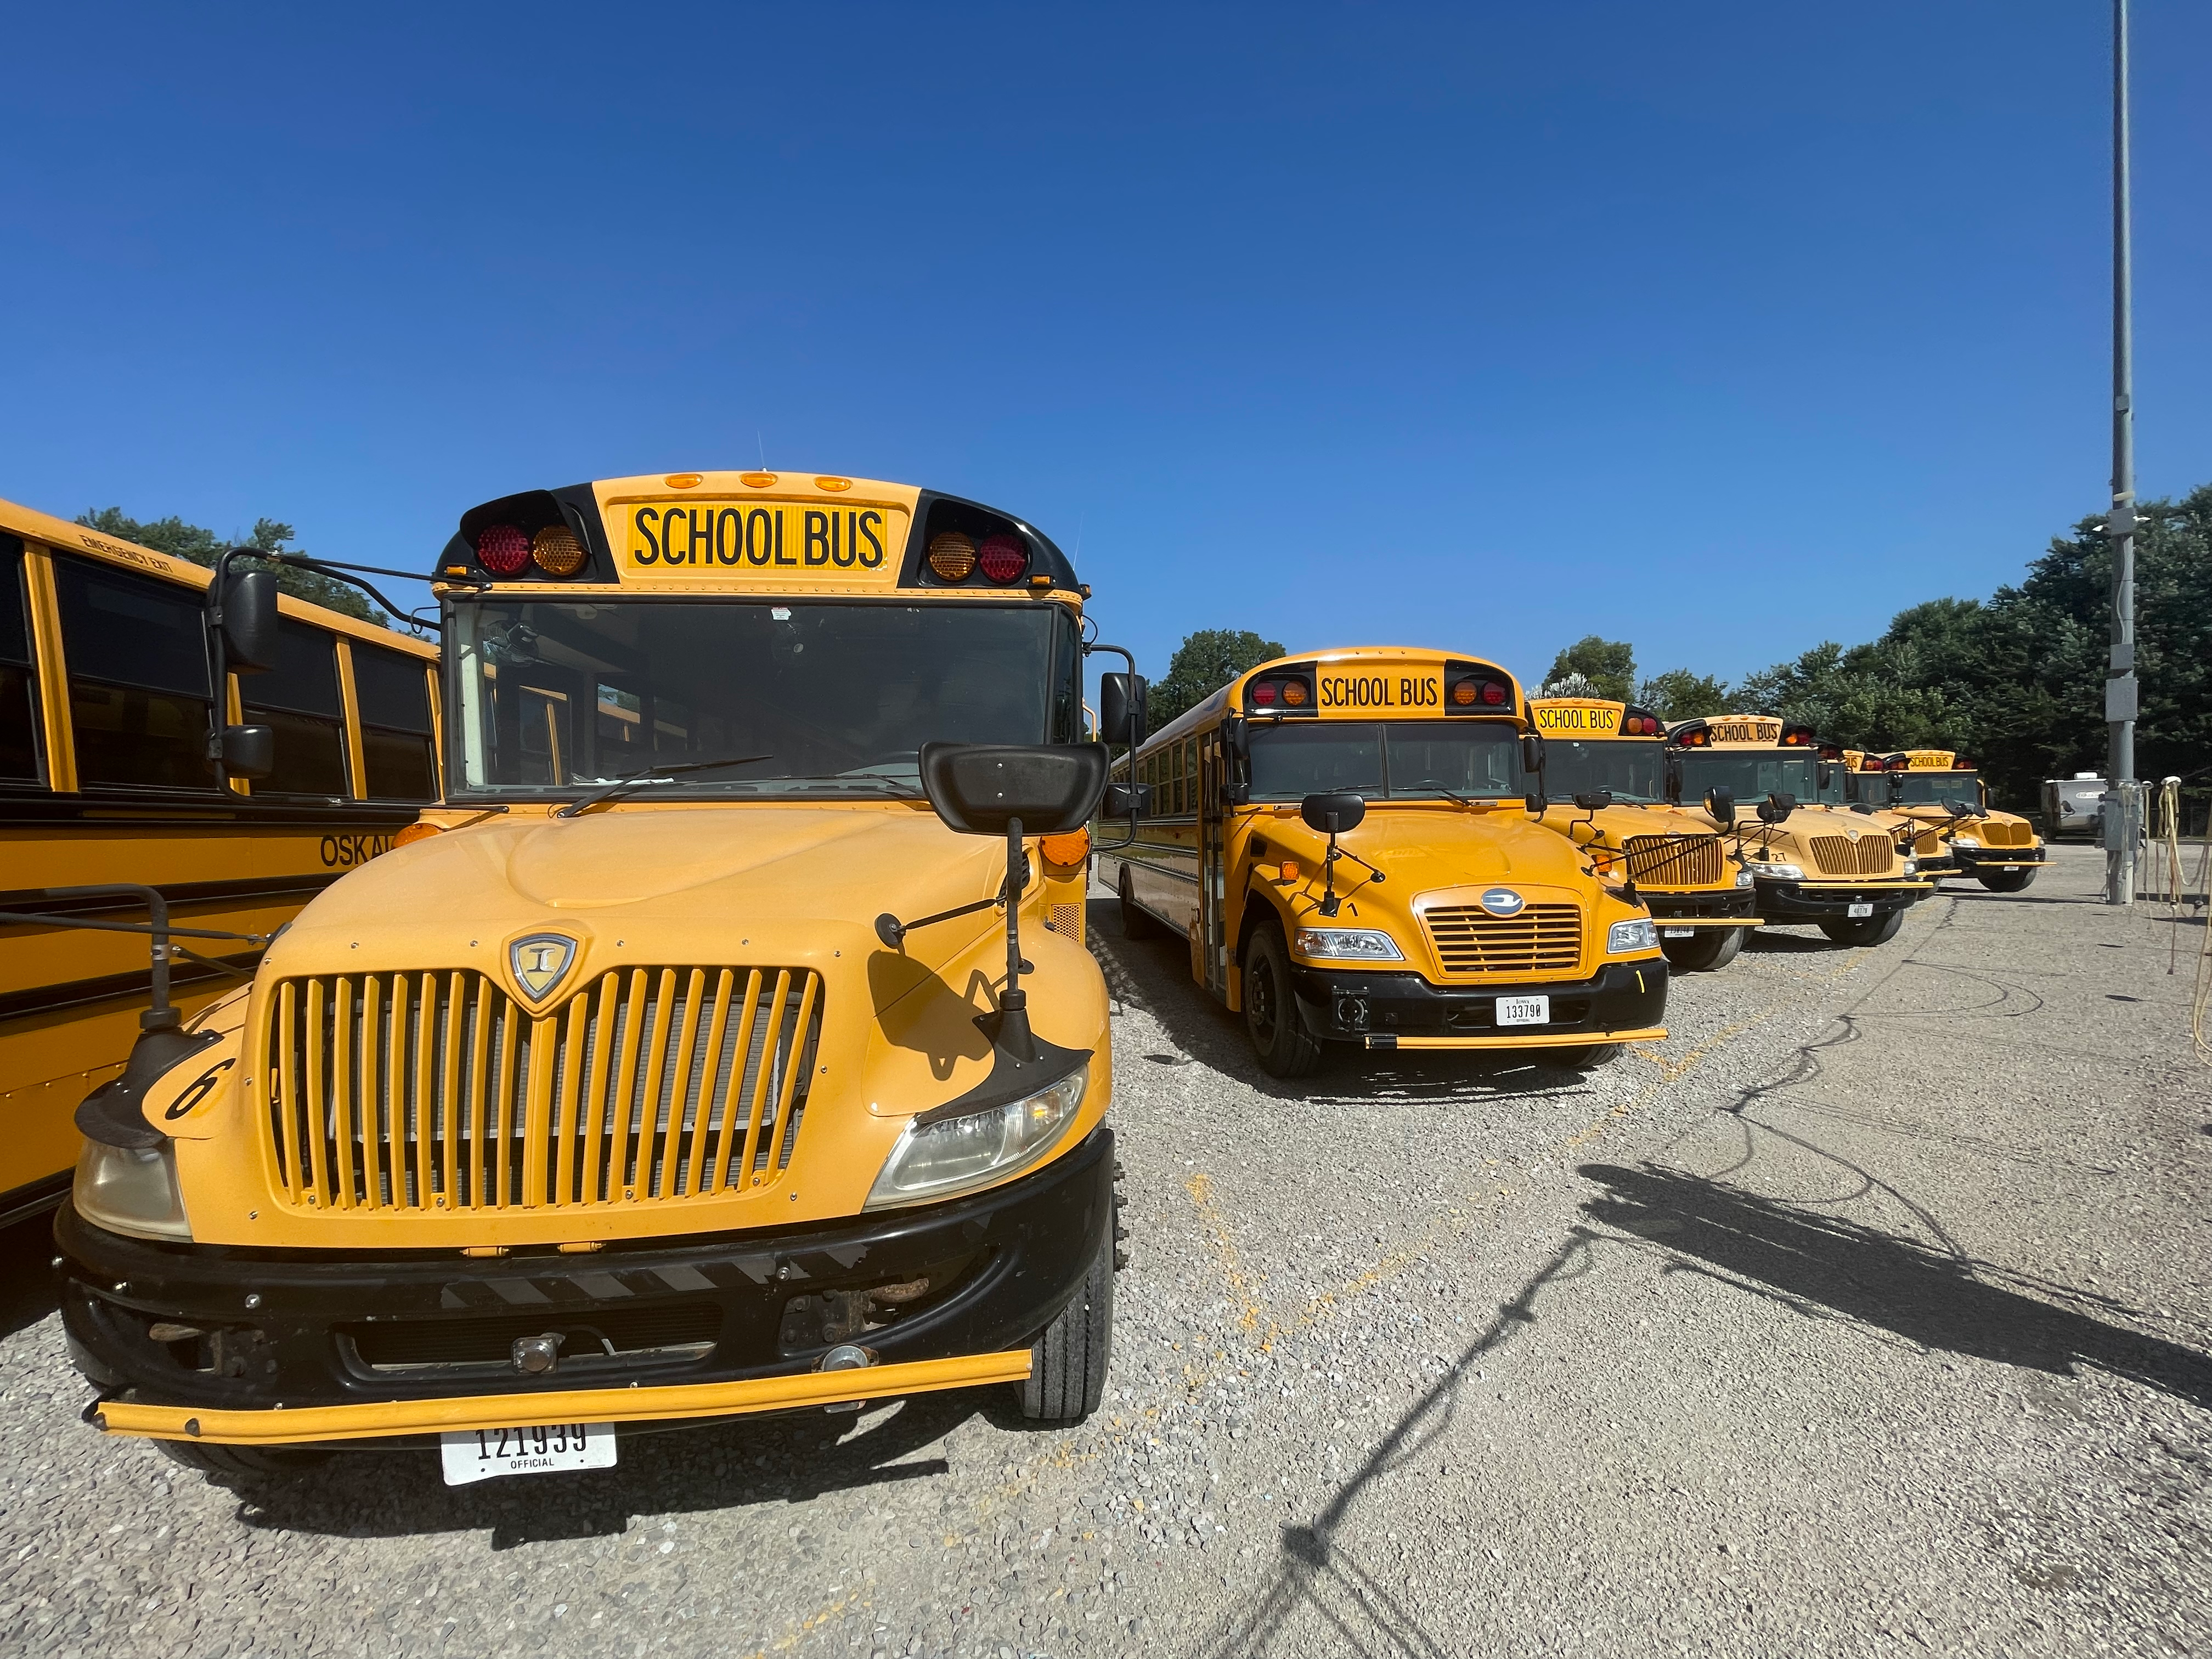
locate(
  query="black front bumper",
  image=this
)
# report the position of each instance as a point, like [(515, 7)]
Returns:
[(1352, 1005), (1787, 901), (307, 1328), (1707, 906)]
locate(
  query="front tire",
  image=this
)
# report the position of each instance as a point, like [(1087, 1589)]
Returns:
[(1135, 923), (2007, 881), (1279, 1037), (1705, 950), (245, 1462), (1579, 1056), (1867, 930), (1067, 1364)]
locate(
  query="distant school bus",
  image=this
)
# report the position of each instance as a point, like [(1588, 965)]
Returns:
[(1343, 838), (105, 711), (1835, 869), (1943, 790), (726, 1043), (1605, 771)]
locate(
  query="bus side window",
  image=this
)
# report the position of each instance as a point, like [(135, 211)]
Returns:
[(1190, 776), (19, 682), (299, 698), (137, 652), (392, 693)]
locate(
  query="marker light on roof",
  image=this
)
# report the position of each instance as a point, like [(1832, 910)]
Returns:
[(1263, 694), (502, 549), (1464, 692), (951, 555), (1294, 693), (1003, 559), (1493, 693), (557, 551)]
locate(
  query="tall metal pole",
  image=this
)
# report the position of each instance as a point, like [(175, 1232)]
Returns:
[(2120, 685)]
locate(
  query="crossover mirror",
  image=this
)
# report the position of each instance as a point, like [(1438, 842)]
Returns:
[(988, 789), (1332, 812), (1776, 806), (1591, 800), (1720, 803)]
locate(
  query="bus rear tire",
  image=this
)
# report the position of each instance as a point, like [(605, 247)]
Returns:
[(1867, 930), (2007, 881), (1135, 923), (1285, 1048), (1067, 1364), (244, 1463), (1705, 950)]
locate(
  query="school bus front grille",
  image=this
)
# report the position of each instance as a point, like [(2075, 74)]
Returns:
[(2005, 835), (1542, 938), (436, 1092), (1839, 855), (1674, 860)]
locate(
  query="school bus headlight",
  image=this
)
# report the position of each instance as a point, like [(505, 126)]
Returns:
[(959, 1153), (1966, 841), (131, 1190), (951, 555), (1349, 944), (1777, 871), (1624, 937), (1743, 878), (557, 551)]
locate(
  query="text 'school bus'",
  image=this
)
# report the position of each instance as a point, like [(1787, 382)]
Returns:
[(1605, 772), (680, 1073), (1345, 839), (1840, 869), (1943, 790), (105, 713)]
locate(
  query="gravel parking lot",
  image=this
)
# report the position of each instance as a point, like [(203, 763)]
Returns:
[(1865, 1315)]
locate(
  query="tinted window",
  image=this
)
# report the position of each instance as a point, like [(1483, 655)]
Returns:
[(130, 630), (310, 754), (19, 708), (391, 689), (305, 677), (401, 766), (126, 735)]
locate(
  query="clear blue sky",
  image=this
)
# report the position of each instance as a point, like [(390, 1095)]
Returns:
[(1720, 328)]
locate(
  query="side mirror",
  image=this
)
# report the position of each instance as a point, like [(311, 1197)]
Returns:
[(1332, 812), (984, 789), (1532, 753), (1776, 806), (1720, 803), (1127, 801), (249, 624), (248, 752), (1121, 709), (1592, 800)]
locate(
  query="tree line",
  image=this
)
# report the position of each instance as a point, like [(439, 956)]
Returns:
[(203, 546), (2016, 681)]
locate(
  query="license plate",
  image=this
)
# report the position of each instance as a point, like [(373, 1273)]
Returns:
[(1524, 1011), (541, 1449), (1677, 933), (1860, 909), (2011, 869)]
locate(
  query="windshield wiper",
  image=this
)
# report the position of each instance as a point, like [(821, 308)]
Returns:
[(630, 782)]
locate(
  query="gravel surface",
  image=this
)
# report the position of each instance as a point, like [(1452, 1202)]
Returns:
[(1865, 1315)]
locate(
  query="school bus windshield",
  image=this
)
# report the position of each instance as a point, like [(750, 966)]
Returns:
[(1934, 788), (839, 696), (1749, 775), (1408, 760), (1634, 771)]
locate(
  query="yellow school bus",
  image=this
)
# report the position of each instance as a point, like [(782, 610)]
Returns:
[(697, 1065), (105, 716), (1829, 866), (1943, 790), (1605, 774), (1345, 838)]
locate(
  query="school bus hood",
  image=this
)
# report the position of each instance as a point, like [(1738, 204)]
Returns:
[(740, 884), (1424, 848)]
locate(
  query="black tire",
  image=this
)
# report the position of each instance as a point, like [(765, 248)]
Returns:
[(244, 1463), (2007, 881), (1867, 930), (1279, 1037), (1706, 949), (1579, 1056), (1135, 923), (1067, 1364)]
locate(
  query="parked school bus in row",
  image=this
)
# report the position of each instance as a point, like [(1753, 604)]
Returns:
[(1839, 870), (725, 1042), (1344, 839), (1944, 790), (107, 710)]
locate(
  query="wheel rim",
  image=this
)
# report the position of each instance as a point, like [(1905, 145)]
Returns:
[(1260, 1001)]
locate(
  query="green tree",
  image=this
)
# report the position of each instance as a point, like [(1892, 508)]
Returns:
[(202, 546), (1204, 663), (1679, 695), (1609, 666)]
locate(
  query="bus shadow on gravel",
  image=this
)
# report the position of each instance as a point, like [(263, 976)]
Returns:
[(1154, 975), (28, 1289), (736, 1466)]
